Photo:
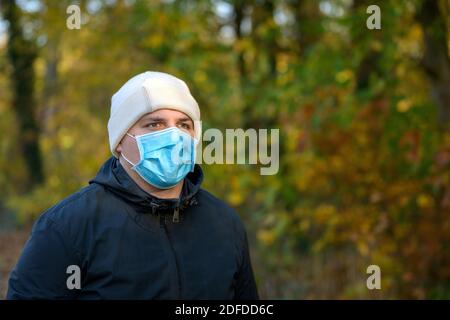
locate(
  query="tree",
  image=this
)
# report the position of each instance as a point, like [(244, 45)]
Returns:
[(435, 61), (22, 54)]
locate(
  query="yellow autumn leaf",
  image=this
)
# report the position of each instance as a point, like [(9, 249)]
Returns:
[(344, 76), (266, 236), (404, 105), (424, 201), (235, 198)]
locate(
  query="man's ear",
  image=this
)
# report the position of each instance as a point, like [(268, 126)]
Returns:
[(119, 148)]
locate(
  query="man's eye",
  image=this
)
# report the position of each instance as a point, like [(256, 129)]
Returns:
[(152, 125), (185, 126)]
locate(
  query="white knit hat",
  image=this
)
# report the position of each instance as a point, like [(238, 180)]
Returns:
[(145, 93)]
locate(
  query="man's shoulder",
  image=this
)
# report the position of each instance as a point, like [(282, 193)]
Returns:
[(209, 199), (76, 206), (219, 206)]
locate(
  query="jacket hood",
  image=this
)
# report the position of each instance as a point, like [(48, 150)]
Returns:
[(113, 177)]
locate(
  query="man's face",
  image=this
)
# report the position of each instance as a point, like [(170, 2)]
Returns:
[(151, 122)]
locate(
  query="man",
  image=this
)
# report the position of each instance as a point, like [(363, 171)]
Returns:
[(143, 228)]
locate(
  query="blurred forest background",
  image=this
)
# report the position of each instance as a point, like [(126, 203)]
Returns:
[(364, 119)]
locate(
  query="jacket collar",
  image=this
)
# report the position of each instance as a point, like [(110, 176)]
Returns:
[(114, 178)]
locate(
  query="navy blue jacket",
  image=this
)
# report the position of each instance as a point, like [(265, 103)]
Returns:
[(131, 245)]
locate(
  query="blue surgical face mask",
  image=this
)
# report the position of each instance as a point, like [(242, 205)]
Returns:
[(166, 156)]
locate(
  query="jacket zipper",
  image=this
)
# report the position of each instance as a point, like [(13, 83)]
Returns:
[(176, 214), (162, 223)]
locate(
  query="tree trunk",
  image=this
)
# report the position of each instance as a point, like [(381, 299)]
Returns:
[(307, 24), (435, 60), (22, 53)]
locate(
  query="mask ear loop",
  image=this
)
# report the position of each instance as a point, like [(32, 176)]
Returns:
[(123, 156), (131, 163)]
